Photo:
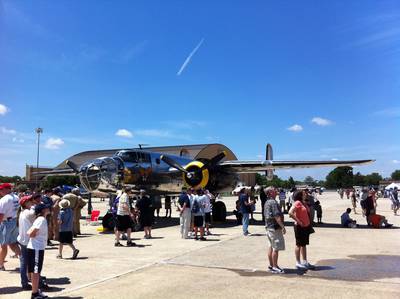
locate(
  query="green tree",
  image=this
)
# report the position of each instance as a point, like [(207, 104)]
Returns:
[(340, 177), (359, 179), (54, 181), (396, 175), (309, 181), (291, 182), (261, 179), (373, 179), (10, 179)]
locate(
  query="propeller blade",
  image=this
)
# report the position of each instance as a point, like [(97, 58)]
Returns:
[(171, 162), (72, 165), (214, 160)]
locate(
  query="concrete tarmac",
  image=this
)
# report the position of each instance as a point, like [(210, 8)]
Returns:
[(362, 262)]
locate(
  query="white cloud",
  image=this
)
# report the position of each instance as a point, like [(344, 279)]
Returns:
[(187, 60), (124, 133), (396, 161), (3, 109), (19, 140), (389, 112), (54, 143), (4, 130), (155, 133), (295, 128), (321, 121)]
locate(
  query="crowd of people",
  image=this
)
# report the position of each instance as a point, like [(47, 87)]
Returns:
[(130, 211), (367, 197), (28, 223)]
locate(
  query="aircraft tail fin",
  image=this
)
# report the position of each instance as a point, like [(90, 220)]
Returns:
[(269, 156)]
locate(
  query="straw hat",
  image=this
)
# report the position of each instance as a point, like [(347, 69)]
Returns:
[(64, 203)]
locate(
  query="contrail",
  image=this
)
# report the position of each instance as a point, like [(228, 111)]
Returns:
[(190, 57)]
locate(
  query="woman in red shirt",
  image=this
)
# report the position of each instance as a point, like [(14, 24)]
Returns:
[(302, 228)]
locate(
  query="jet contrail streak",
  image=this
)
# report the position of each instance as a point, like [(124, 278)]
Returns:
[(190, 57)]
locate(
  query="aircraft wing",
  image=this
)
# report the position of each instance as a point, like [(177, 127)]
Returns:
[(258, 166)]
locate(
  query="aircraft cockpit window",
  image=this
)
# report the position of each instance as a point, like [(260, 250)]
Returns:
[(129, 157), (143, 157)]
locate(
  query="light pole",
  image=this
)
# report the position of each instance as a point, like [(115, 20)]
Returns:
[(38, 132)]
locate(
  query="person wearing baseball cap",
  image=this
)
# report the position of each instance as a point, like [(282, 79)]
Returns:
[(25, 221), (8, 222), (275, 228), (38, 234)]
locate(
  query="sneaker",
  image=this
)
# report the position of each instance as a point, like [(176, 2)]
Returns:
[(59, 256), (130, 244), (38, 295), (309, 266), (301, 266), (388, 225), (75, 254), (43, 285), (203, 239), (118, 244), (26, 287), (277, 270), (196, 238), (269, 268)]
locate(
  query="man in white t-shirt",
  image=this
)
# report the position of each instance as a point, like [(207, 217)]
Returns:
[(38, 234), (8, 222), (124, 218)]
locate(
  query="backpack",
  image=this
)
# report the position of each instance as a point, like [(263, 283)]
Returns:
[(114, 206), (195, 206)]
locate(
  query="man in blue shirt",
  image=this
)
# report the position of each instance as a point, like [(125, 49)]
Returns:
[(346, 221), (198, 205), (245, 205), (185, 213)]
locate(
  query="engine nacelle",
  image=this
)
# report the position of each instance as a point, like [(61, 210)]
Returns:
[(196, 177)]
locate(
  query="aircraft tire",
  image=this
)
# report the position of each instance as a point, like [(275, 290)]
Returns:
[(108, 221), (219, 212)]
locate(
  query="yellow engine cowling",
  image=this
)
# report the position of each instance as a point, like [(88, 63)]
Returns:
[(200, 180)]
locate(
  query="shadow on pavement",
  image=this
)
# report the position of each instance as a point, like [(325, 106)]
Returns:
[(58, 281), (78, 258), (83, 236), (359, 268), (10, 290), (67, 297)]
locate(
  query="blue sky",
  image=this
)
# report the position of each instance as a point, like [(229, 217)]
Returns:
[(317, 79)]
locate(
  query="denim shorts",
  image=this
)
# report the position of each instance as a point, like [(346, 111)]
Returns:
[(8, 232)]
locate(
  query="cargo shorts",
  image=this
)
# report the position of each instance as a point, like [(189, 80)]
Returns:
[(276, 240)]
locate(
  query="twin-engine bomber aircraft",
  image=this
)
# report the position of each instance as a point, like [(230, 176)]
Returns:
[(163, 174)]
